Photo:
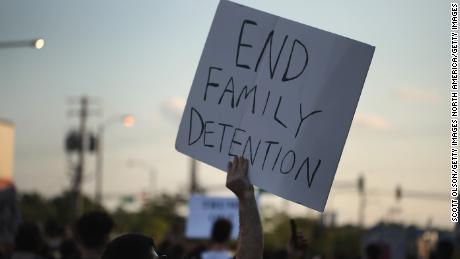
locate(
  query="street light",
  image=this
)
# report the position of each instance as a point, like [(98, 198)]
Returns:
[(39, 43), (128, 121), (150, 169), (35, 43)]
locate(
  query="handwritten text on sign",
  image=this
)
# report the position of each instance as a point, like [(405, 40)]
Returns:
[(278, 92)]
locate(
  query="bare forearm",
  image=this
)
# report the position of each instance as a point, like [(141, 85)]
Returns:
[(250, 242)]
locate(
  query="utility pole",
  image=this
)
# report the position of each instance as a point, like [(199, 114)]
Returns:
[(360, 185), (362, 201), (78, 141), (80, 167), (194, 186), (99, 164)]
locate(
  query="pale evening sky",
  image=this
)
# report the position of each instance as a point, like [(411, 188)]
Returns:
[(140, 57)]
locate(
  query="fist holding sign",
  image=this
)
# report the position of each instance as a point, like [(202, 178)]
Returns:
[(279, 93)]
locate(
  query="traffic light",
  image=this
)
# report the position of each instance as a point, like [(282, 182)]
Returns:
[(398, 193), (93, 143), (73, 142)]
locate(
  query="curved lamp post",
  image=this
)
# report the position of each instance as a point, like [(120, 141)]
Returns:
[(128, 121), (150, 169), (35, 43)]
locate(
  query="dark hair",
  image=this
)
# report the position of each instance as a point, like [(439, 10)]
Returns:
[(133, 246), (68, 249), (53, 228), (92, 229), (221, 230), (28, 238), (373, 251), (445, 249)]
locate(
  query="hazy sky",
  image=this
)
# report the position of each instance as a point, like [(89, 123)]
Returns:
[(140, 57)]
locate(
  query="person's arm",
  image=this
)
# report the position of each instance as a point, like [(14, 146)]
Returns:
[(250, 241), (298, 249)]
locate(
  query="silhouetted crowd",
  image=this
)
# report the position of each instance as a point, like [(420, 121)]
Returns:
[(92, 237)]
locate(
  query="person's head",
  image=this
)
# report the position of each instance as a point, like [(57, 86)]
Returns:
[(68, 249), (373, 251), (444, 249), (54, 233), (221, 231), (53, 229), (92, 230), (133, 246), (28, 238)]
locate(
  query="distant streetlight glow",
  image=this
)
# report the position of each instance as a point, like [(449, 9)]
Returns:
[(128, 121), (39, 43)]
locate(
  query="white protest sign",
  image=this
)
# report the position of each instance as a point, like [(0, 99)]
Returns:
[(280, 93), (204, 211)]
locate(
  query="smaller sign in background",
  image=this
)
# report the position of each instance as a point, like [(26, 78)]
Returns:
[(205, 210)]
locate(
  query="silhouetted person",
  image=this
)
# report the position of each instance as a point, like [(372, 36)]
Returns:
[(54, 234), (173, 242), (171, 250), (68, 249), (9, 220), (374, 251), (92, 232), (28, 242), (131, 246), (444, 249), (250, 242), (220, 237), (297, 249), (196, 252), (276, 254)]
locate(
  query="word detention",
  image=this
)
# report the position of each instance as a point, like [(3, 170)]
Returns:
[(233, 94)]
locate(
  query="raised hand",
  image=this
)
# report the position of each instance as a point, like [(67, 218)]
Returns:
[(237, 178)]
